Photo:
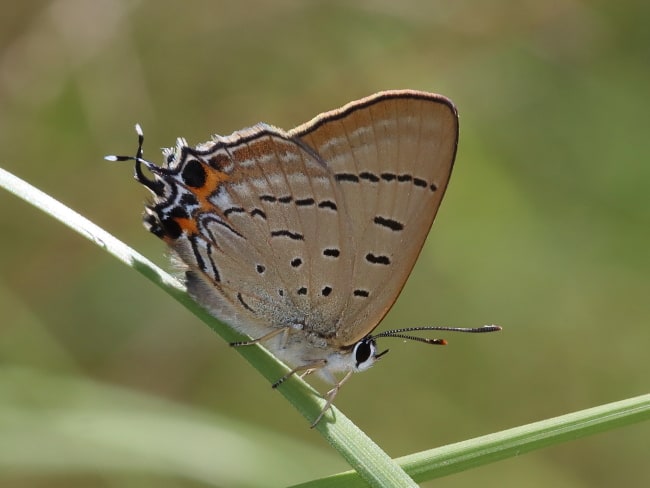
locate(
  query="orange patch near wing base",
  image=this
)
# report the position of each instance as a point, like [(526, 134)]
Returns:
[(213, 181), (188, 225)]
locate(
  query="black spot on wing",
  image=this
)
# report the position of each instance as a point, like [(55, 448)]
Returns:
[(347, 177), (232, 210), (391, 224), (373, 259), (419, 182), (188, 200), (193, 174), (258, 212), (366, 175), (168, 228), (327, 204), (177, 213), (331, 252), (287, 233), (305, 202)]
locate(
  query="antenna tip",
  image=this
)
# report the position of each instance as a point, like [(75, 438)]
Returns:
[(138, 129), (110, 157)]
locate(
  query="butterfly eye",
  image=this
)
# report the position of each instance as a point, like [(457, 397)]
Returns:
[(364, 353)]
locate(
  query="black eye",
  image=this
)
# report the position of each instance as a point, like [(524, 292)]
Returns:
[(363, 351)]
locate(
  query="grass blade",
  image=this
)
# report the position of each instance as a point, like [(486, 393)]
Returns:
[(373, 464)]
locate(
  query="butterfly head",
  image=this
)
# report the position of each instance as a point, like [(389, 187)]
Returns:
[(364, 353)]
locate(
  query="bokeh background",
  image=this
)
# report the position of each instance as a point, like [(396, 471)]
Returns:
[(545, 229)]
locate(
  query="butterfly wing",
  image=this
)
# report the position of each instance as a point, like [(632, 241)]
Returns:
[(391, 155), (261, 234)]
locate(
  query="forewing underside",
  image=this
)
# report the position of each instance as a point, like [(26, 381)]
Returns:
[(391, 155)]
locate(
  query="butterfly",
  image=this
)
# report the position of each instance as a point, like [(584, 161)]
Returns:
[(303, 239)]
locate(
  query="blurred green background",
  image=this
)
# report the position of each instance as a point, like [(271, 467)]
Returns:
[(105, 381)]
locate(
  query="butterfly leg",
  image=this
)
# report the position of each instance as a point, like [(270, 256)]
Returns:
[(306, 373), (305, 367), (329, 397), (265, 337)]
